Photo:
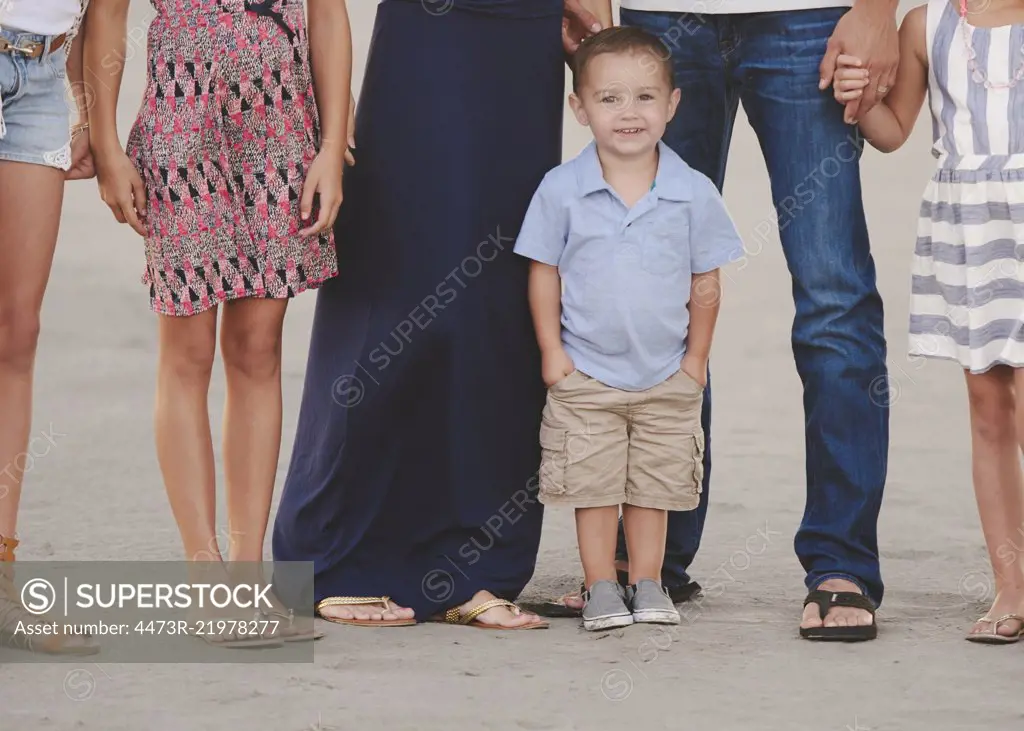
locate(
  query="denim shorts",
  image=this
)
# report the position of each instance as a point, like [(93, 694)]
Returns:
[(36, 104)]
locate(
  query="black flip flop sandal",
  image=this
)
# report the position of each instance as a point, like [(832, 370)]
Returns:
[(828, 599)]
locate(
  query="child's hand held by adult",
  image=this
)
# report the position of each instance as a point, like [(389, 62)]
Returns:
[(849, 82), (869, 31)]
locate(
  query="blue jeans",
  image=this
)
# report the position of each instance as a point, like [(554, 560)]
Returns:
[(769, 62)]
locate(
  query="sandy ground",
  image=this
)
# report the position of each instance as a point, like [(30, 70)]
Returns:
[(735, 663)]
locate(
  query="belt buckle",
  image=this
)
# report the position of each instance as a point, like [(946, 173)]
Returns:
[(31, 51)]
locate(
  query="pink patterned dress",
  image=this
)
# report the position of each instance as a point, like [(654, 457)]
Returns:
[(226, 132)]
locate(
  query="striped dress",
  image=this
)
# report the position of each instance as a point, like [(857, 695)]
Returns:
[(967, 301)]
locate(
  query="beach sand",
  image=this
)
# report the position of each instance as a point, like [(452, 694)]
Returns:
[(736, 662)]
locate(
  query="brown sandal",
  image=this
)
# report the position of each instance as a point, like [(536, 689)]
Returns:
[(337, 601), (13, 614)]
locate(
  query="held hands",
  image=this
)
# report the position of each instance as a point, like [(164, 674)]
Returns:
[(849, 83), (555, 365), (867, 32), (122, 189), (82, 165), (696, 368)]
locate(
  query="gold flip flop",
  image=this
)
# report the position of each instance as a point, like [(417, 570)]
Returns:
[(993, 637), (455, 616), (336, 601)]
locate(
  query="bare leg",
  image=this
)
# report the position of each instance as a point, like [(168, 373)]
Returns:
[(185, 451), (646, 532), (999, 486), (182, 426), (596, 553), (30, 203), (596, 531), (251, 349)]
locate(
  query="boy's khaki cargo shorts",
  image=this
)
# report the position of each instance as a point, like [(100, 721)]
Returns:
[(602, 446)]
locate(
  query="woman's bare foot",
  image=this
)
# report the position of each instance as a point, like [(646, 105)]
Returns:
[(837, 616), (1008, 601), (367, 612), (575, 599), (499, 617)]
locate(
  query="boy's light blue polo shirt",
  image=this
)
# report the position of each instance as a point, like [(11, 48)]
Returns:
[(626, 273)]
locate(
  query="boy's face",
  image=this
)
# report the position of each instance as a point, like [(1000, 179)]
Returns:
[(626, 101)]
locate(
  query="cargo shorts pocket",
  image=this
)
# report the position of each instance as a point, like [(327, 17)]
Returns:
[(697, 447), (552, 460)]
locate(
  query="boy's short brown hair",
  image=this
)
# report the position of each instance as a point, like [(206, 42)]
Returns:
[(621, 39)]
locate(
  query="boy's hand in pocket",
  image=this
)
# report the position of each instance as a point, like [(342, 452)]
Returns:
[(695, 368), (556, 365)]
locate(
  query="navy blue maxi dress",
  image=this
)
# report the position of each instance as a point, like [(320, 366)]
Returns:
[(413, 471)]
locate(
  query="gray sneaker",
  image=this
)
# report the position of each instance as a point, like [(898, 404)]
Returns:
[(651, 603), (605, 607)]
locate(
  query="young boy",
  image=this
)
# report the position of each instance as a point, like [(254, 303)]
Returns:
[(626, 241)]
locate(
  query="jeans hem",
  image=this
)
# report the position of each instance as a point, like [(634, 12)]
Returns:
[(819, 579)]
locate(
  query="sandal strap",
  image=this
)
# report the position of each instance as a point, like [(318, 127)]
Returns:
[(1005, 618), (7, 546), (335, 601), (828, 599), (455, 616)]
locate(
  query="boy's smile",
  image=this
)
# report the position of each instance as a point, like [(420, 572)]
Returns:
[(627, 102)]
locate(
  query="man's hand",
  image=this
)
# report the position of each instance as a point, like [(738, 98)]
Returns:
[(868, 31), (577, 24), (555, 365)]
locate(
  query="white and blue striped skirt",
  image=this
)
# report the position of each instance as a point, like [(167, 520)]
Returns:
[(967, 296)]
